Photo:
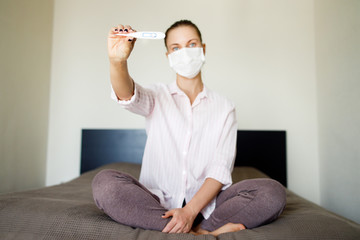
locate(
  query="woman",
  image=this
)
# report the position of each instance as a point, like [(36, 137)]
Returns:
[(185, 181)]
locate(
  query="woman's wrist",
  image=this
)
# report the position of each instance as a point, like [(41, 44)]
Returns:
[(118, 62), (192, 209)]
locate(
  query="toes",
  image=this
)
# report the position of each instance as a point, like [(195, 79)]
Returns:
[(241, 227)]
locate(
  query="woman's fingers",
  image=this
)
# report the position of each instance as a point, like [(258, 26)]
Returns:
[(113, 31), (176, 229), (128, 29), (120, 27), (170, 224), (178, 223), (120, 47), (116, 29), (185, 229), (181, 229), (168, 214), (131, 31), (169, 227)]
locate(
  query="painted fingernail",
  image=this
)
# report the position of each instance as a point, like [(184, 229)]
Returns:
[(130, 40), (120, 30), (115, 29), (125, 30)]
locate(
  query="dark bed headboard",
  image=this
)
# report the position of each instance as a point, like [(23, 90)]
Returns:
[(264, 150)]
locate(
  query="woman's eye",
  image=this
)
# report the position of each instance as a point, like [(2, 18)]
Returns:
[(175, 48), (192, 45)]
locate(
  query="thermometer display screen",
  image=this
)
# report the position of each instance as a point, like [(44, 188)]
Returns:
[(149, 35)]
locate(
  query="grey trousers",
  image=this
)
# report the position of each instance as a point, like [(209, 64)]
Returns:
[(252, 202)]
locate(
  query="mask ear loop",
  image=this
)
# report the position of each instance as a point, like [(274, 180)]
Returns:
[(202, 55), (170, 60)]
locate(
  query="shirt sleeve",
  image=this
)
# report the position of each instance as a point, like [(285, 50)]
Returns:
[(142, 102), (225, 152)]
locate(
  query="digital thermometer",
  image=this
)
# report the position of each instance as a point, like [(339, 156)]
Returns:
[(144, 35)]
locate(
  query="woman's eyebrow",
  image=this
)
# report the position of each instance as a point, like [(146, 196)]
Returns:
[(175, 44), (194, 39)]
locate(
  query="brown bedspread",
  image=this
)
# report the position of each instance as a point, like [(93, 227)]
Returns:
[(67, 211)]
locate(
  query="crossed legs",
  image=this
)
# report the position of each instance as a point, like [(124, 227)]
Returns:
[(246, 204), (127, 201)]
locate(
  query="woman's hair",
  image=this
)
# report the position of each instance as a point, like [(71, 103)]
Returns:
[(182, 23)]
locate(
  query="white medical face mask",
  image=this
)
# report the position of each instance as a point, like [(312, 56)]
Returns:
[(187, 62)]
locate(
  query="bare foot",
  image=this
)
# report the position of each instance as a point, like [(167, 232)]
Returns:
[(199, 231), (229, 227)]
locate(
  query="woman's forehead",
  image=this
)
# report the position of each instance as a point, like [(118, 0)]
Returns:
[(182, 34)]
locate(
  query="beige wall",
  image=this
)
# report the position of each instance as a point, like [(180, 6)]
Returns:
[(338, 75), (260, 54), (25, 29)]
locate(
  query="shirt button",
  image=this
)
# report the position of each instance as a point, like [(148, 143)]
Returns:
[(184, 152), (184, 172)]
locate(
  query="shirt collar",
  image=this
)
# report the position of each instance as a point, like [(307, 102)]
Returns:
[(174, 89)]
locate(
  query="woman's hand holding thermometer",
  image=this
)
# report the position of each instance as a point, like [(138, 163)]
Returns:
[(119, 50), (119, 47), (122, 38)]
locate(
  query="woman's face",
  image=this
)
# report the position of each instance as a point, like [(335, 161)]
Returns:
[(183, 36)]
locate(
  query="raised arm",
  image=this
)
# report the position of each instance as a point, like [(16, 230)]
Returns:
[(119, 50)]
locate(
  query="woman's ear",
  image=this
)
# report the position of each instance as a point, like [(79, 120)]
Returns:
[(204, 47), (167, 51)]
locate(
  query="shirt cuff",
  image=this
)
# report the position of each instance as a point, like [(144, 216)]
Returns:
[(123, 102), (220, 174)]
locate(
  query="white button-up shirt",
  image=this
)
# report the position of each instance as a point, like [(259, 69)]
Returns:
[(186, 144)]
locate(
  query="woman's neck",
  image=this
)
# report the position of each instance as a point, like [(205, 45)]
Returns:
[(191, 87)]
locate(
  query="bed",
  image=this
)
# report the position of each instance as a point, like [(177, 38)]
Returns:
[(67, 211)]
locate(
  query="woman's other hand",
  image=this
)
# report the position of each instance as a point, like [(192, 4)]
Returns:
[(181, 222), (120, 47)]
